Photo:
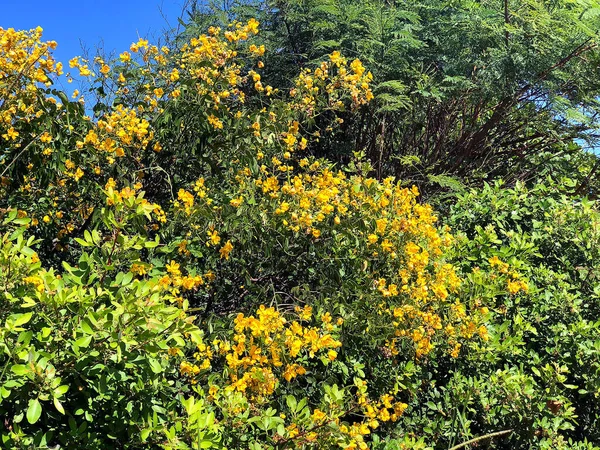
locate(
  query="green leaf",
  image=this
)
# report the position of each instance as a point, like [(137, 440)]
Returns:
[(127, 279), (58, 405), (61, 390), (12, 214), (145, 433), (20, 369), (155, 365), (152, 244), (22, 221), (34, 411), (291, 402), (83, 243), (83, 342), (86, 327), (22, 319)]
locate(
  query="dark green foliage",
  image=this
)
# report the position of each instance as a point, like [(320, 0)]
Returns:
[(473, 90), (539, 374)]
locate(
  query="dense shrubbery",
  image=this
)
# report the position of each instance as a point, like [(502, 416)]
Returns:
[(538, 373), (183, 271), (463, 91)]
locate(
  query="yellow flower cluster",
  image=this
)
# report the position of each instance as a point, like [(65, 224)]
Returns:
[(133, 199), (117, 130), (187, 199), (82, 65), (267, 348), (186, 202), (35, 281), (176, 279), (374, 412), (414, 284), (210, 60), (513, 282), (347, 436), (330, 80), (241, 31), (25, 64)]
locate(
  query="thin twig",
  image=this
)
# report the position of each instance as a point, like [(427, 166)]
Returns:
[(19, 155), (481, 438)]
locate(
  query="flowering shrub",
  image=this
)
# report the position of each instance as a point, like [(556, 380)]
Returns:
[(200, 278), (529, 255)]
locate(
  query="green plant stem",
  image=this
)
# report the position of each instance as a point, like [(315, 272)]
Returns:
[(481, 438)]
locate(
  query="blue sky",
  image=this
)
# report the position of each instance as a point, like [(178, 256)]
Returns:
[(111, 24)]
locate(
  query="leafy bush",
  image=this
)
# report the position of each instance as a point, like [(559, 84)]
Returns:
[(180, 272), (85, 350), (199, 200), (533, 256)]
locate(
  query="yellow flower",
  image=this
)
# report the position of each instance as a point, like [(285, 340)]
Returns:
[(318, 415), (173, 268), (215, 122), (236, 202), (381, 225), (110, 184), (305, 313), (226, 250), (252, 26), (78, 174), (187, 198), (495, 261), (514, 286), (188, 369), (214, 237), (386, 245), (336, 58), (384, 415), (212, 391), (11, 134), (290, 140), (138, 269)]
